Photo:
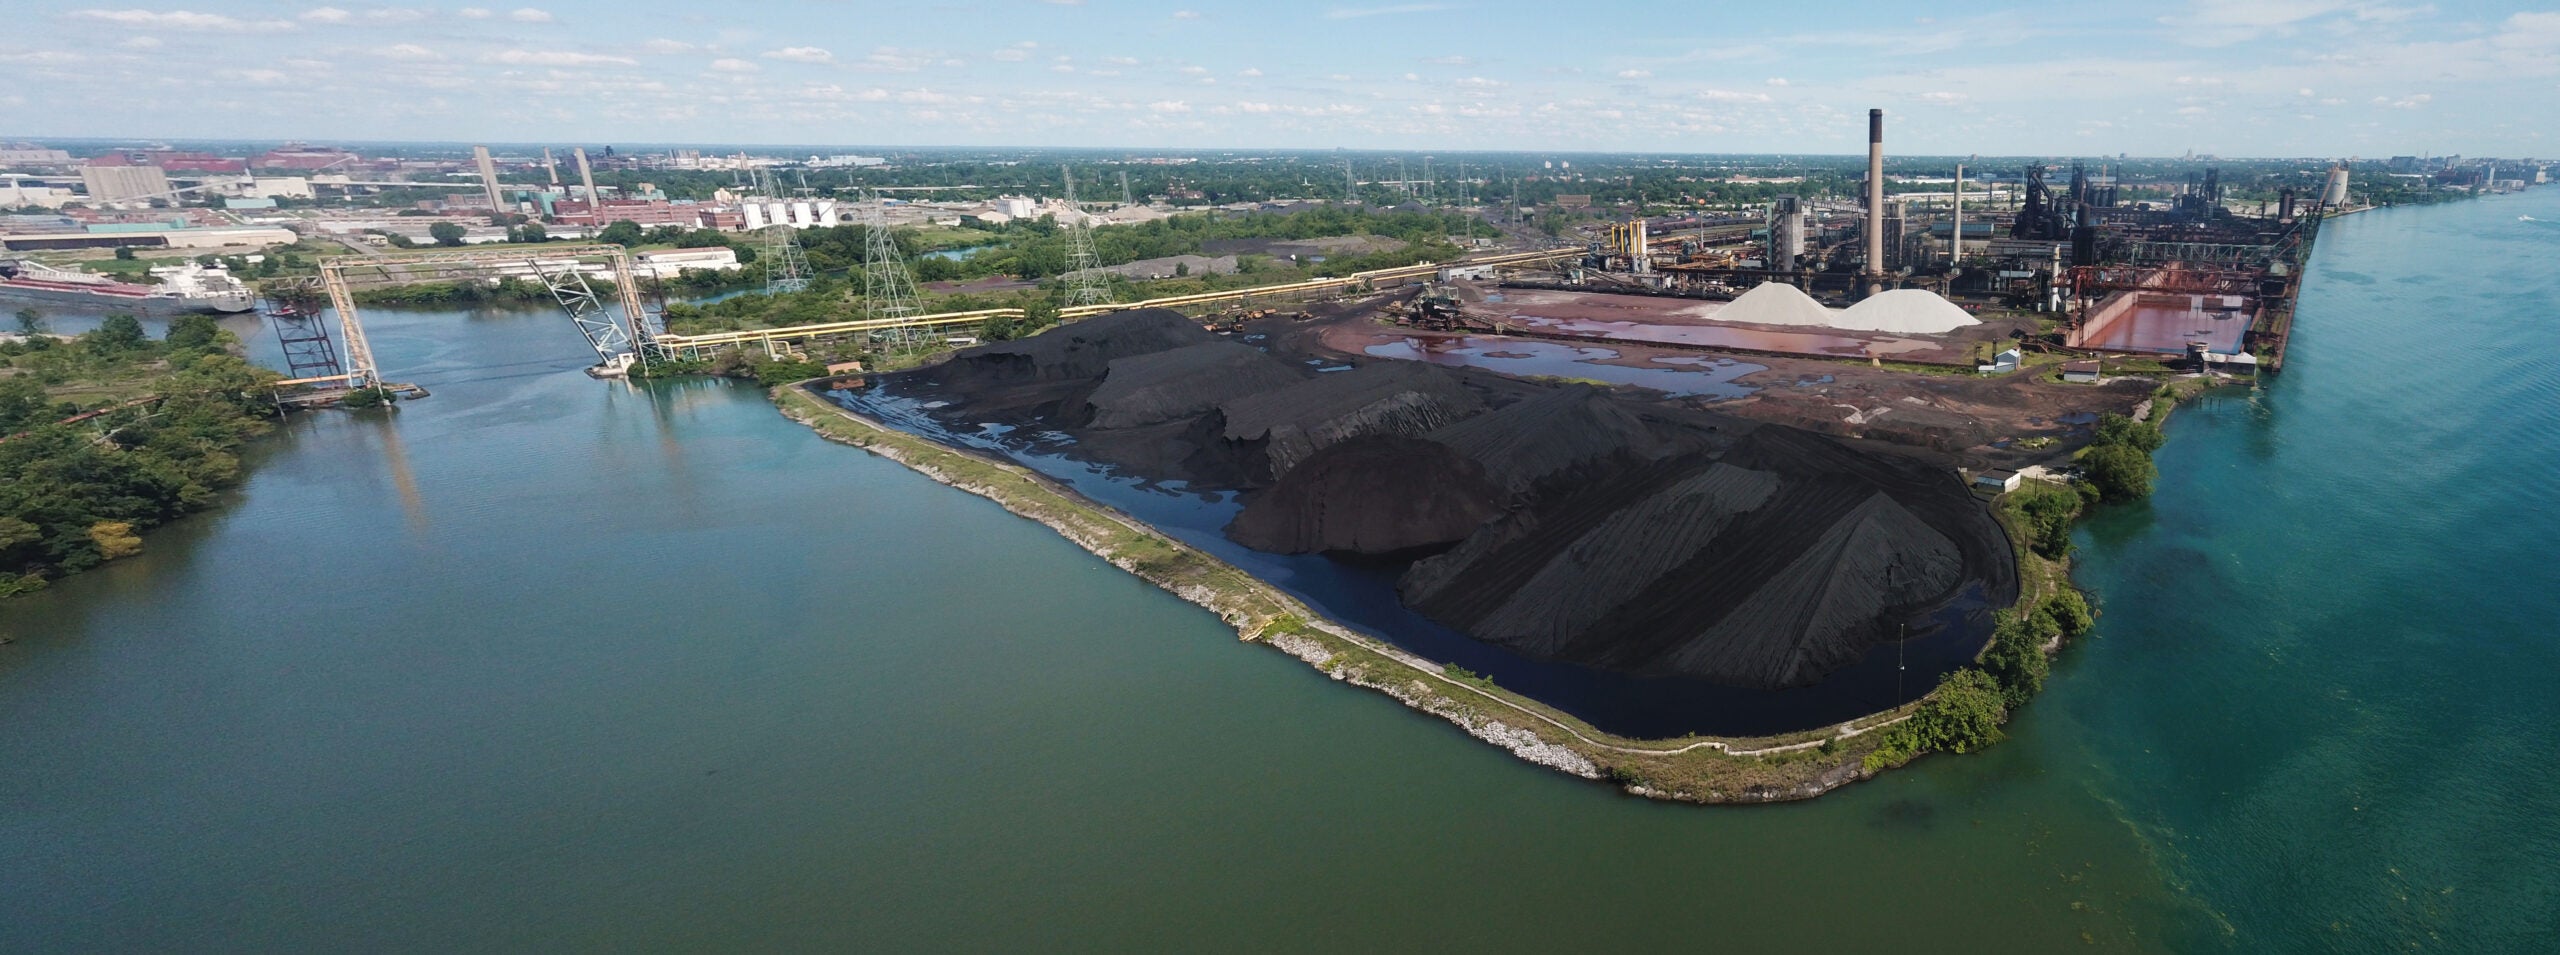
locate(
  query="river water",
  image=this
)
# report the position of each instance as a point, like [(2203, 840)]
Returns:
[(545, 663)]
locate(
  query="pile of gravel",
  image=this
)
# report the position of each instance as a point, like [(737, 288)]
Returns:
[(1387, 397), (1372, 494), (1907, 311)]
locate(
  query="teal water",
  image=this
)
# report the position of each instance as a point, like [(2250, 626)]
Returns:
[(545, 663), (2326, 681)]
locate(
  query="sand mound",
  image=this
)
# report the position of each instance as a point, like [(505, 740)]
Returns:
[(1177, 383), (1083, 349), (1775, 303), (1373, 494), (1905, 311), (1387, 397), (1528, 441), (1910, 311)]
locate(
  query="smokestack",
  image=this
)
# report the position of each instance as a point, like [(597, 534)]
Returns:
[(1875, 193), (1955, 253), (587, 176), (488, 177), (554, 166)]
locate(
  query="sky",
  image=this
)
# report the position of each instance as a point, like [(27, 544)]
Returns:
[(2227, 77)]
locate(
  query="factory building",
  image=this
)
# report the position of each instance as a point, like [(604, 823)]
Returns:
[(123, 183)]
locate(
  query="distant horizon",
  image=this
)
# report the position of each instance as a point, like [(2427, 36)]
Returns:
[(870, 148), (2236, 78)]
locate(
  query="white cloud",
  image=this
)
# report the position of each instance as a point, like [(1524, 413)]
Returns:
[(1121, 60), (473, 13), (1944, 98), (1169, 106), (1448, 61), (1730, 96), (2412, 101), (181, 20), (407, 51), (667, 47), (141, 43), (529, 15), (890, 59), (1255, 71), (1017, 56), (1203, 71), (730, 64), (1782, 81), (1648, 74), (801, 54), (1195, 14), (332, 15), (556, 58), (42, 56), (1478, 82)]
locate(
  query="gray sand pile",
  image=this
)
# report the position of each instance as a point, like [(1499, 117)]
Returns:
[(1388, 397), (1177, 383), (1373, 494)]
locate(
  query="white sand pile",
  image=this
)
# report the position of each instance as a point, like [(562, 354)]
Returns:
[(1908, 311), (1776, 303)]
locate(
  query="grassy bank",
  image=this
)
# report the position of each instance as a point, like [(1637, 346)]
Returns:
[(1696, 768)]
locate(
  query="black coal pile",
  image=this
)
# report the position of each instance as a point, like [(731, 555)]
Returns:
[(1567, 522), (1373, 494)]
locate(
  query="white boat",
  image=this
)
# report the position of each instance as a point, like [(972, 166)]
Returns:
[(181, 288)]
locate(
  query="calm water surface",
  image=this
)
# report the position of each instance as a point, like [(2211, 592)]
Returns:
[(547, 663)]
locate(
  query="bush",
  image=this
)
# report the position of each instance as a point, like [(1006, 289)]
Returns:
[(2120, 472), (2015, 659), (2045, 512), (2118, 429), (2066, 613)]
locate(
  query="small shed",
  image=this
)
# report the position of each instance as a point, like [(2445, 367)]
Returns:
[(2002, 363), (2080, 372), (1996, 481)]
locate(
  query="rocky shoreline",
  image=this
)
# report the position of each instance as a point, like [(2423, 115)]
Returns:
[(1694, 769)]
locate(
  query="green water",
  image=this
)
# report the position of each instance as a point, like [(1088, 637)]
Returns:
[(544, 663)]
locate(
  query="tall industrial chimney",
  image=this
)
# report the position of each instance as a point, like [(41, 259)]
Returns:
[(1955, 253), (587, 177), (554, 166), (488, 177), (1875, 193)]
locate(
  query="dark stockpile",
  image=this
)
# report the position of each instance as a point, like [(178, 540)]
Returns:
[(1374, 494), (1391, 397), (1568, 522), (1182, 382)]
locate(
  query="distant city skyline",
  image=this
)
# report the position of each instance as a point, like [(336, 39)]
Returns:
[(2248, 78)]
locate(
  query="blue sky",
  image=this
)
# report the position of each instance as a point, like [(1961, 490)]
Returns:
[(2237, 77)]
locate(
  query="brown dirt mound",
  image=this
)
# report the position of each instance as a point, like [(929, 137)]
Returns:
[(1373, 494)]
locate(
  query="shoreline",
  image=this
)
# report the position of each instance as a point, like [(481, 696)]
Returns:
[(1698, 769)]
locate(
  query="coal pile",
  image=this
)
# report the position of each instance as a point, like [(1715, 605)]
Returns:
[(1566, 522), (1373, 494)]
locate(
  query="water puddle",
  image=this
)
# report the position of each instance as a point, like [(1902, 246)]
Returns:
[(1536, 359)]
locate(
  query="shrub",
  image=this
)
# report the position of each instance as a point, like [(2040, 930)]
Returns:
[(2120, 472), (2118, 429)]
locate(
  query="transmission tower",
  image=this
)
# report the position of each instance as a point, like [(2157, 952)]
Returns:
[(294, 306), (1084, 282), (786, 269), (1125, 198), (887, 290)]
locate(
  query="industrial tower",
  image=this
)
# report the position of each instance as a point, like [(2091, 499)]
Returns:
[(1084, 282), (295, 307)]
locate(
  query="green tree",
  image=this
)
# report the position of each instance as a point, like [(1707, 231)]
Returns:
[(623, 232), (124, 253), (2118, 429), (447, 233), (22, 404), (118, 333), (2120, 472), (2016, 658), (534, 232), (31, 322), (194, 333)]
